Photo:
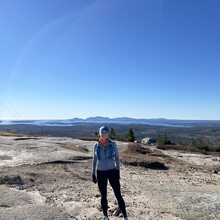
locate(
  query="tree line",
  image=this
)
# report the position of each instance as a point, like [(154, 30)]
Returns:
[(199, 143), (129, 137)]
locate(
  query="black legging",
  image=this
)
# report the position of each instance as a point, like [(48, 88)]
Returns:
[(113, 177)]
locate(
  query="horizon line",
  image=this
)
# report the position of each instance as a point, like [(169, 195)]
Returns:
[(105, 117)]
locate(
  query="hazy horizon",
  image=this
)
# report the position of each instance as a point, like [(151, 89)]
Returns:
[(65, 119)]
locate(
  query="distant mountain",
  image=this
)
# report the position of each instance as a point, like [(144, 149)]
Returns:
[(151, 121), (126, 120)]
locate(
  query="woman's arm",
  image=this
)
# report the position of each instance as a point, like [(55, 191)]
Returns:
[(94, 160), (117, 161)]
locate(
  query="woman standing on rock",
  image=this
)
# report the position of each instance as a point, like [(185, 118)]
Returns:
[(107, 167)]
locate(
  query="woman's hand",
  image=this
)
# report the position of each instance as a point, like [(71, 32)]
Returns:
[(94, 179), (117, 173)]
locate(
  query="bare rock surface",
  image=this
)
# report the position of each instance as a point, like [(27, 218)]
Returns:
[(50, 178)]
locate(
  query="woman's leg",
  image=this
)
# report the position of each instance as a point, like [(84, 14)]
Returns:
[(114, 181), (102, 184)]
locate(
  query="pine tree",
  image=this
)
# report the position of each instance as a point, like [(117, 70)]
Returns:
[(130, 136), (112, 134)]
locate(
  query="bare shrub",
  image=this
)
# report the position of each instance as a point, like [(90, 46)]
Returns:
[(137, 148)]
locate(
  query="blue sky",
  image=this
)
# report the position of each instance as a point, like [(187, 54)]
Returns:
[(61, 59)]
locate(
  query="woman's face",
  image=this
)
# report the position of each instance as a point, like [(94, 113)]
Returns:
[(104, 135)]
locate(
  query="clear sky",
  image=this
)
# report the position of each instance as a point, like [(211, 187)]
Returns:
[(61, 59)]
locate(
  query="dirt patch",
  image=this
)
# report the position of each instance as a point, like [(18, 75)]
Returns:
[(139, 155), (9, 133)]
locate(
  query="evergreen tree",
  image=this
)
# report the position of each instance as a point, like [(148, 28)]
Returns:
[(163, 140), (194, 144), (96, 134), (130, 136), (112, 134)]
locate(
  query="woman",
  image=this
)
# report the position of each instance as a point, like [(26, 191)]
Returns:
[(107, 166)]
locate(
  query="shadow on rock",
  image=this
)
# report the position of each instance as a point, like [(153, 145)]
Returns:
[(12, 180), (151, 165)]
